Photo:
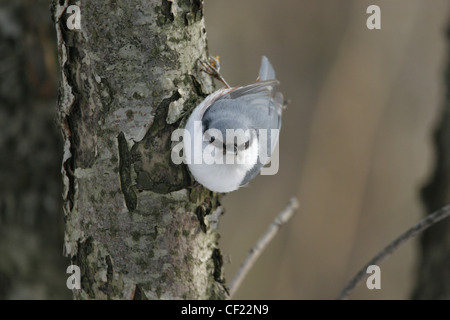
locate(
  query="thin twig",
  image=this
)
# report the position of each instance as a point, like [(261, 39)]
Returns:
[(394, 245), (262, 243)]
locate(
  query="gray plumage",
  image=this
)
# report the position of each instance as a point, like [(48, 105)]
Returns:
[(256, 106), (266, 71)]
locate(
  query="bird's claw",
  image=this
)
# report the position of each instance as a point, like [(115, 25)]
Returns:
[(212, 67)]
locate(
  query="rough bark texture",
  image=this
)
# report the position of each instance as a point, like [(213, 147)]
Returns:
[(434, 265), (31, 221), (129, 76)]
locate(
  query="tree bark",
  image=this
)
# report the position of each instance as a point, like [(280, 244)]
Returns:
[(134, 225), (434, 264)]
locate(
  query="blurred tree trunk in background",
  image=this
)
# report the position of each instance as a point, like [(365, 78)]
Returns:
[(132, 224), (434, 265), (31, 219)]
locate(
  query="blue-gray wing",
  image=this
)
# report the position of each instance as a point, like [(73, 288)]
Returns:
[(261, 104), (255, 106)]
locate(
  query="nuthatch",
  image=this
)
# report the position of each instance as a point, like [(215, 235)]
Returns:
[(231, 135)]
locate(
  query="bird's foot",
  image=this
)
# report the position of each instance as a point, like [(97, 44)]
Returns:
[(212, 67)]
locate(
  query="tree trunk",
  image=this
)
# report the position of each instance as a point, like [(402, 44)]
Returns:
[(434, 264), (129, 77)]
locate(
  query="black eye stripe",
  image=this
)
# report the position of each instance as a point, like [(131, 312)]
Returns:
[(236, 147)]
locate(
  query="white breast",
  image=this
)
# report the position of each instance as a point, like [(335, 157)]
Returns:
[(216, 177)]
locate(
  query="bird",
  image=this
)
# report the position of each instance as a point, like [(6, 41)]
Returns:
[(230, 136)]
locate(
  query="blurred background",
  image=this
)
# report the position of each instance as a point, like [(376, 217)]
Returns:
[(354, 147), (355, 142)]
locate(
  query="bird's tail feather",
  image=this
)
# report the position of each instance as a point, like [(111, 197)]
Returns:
[(266, 71)]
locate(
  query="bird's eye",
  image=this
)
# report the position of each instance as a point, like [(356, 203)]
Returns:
[(212, 139), (247, 144)]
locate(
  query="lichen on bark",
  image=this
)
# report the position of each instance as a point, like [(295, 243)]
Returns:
[(129, 77)]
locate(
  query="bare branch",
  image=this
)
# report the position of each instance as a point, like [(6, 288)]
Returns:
[(394, 245), (262, 243)]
